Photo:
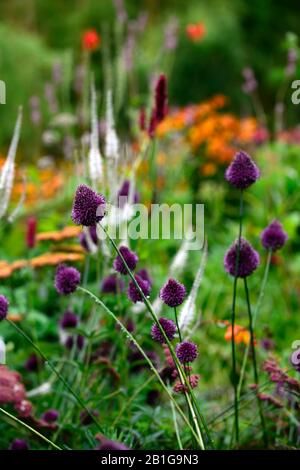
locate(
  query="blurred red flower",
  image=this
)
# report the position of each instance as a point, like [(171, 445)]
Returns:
[(196, 31), (90, 40)]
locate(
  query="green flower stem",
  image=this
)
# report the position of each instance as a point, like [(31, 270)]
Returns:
[(181, 372), (176, 426), (29, 428), (233, 352), (255, 370), (255, 314), (56, 372), (177, 324), (150, 363)]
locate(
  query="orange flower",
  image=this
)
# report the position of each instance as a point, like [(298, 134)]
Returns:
[(46, 259), (67, 232), (5, 270), (53, 259), (196, 31), (241, 334), (209, 169), (90, 40)]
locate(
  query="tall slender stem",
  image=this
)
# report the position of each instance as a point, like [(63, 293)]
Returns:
[(233, 352), (150, 363), (181, 372), (255, 314), (255, 370), (56, 372), (34, 431), (177, 324)]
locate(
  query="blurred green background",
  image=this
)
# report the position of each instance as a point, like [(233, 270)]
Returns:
[(36, 33)]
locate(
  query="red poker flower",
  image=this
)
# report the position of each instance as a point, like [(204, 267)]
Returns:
[(90, 40)]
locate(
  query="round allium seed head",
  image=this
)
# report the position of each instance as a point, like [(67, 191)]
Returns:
[(66, 279), (19, 444), (111, 285), (88, 206), (134, 294), (69, 320), (242, 171), (50, 416), (248, 259), (173, 293), (186, 351), (130, 258), (273, 237), (4, 304), (169, 328)]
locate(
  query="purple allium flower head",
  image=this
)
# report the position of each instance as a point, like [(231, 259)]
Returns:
[(186, 351), (69, 320), (143, 273), (88, 206), (169, 328), (134, 294), (161, 98), (111, 285), (129, 256), (273, 237), (172, 293), (67, 279), (248, 259), (4, 304), (107, 444), (242, 171), (50, 416), (19, 444), (33, 363)]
